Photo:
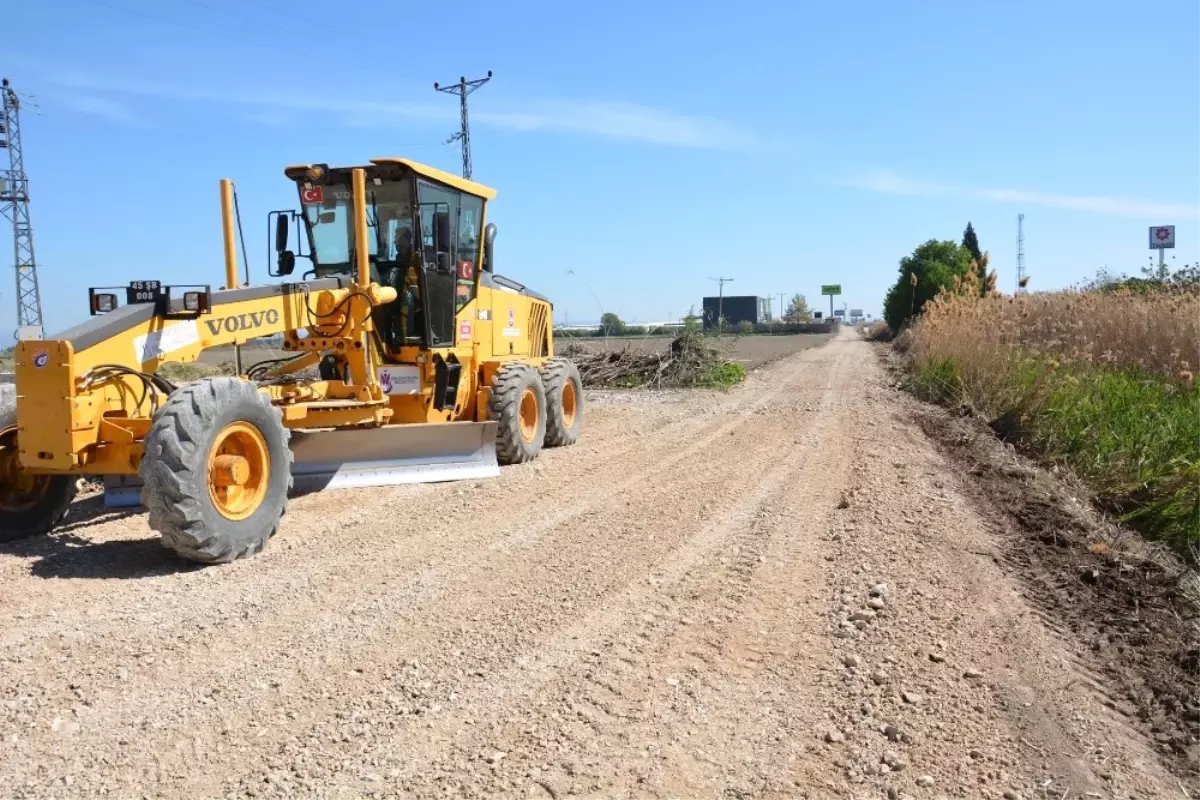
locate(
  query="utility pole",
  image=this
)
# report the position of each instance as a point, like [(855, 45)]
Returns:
[(463, 88), (721, 300), (782, 307), (14, 204)]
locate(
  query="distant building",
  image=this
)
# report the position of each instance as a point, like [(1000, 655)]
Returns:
[(735, 310)]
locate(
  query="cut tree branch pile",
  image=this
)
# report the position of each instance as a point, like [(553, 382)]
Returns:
[(689, 361)]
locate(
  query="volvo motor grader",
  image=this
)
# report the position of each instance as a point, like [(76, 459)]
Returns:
[(410, 360)]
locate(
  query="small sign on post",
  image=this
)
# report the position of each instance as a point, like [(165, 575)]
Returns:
[(1162, 237)]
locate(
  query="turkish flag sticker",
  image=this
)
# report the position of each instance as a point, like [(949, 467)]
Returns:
[(466, 270), (312, 195)]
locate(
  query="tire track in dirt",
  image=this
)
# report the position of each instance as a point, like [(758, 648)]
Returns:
[(554, 659), (324, 548), (246, 645), (662, 611)]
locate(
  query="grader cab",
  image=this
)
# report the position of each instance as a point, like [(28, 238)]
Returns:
[(410, 360)]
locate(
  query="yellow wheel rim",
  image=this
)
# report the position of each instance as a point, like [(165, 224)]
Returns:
[(239, 467), (570, 404), (529, 414), (19, 490)]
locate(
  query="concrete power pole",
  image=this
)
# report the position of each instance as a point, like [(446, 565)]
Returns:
[(721, 300), (463, 88)]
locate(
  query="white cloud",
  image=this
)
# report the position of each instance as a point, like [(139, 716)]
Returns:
[(628, 121), (607, 119), (269, 118), (95, 106), (886, 182)]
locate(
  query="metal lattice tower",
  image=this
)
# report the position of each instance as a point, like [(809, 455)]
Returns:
[(14, 203), (463, 88), (1020, 254)]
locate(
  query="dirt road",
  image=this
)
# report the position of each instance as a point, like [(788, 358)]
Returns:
[(778, 591)]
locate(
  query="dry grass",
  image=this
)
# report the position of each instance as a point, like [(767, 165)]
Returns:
[(879, 332), (1103, 383), (1156, 333)]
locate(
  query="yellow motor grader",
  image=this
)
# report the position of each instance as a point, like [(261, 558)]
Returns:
[(409, 360)]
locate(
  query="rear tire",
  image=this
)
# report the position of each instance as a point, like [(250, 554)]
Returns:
[(30, 505), (518, 405), (207, 433), (564, 402)]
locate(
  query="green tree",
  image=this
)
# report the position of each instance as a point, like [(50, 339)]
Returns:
[(931, 268), (971, 241), (797, 309), (693, 322), (611, 324)]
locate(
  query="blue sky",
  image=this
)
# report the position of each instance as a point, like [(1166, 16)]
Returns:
[(648, 147)]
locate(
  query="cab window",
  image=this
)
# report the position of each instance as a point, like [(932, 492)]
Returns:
[(470, 218)]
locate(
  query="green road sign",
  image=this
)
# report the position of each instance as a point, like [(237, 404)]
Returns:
[(831, 289)]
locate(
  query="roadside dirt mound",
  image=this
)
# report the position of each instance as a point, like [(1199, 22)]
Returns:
[(1122, 598)]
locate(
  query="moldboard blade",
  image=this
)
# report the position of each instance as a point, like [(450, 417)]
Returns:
[(393, 454)]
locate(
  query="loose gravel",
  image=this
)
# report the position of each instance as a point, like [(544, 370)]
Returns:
[(711, 595)]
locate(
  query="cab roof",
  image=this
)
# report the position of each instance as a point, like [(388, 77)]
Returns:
[(424, 170)]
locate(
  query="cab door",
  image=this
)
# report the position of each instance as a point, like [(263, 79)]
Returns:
[(438, 212)]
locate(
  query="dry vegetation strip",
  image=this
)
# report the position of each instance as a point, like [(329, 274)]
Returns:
[(1100, 382)]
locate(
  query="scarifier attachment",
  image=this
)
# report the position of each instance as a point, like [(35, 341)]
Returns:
[(386, 456)]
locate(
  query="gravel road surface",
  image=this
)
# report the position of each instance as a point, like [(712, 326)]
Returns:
[(779, 591)]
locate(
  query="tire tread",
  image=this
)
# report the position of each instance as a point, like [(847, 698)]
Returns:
[(173, 454)]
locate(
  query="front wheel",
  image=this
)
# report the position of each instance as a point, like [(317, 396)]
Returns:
[(30, 505), (216, 470)]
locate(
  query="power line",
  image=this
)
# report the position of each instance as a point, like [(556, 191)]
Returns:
[(189, 26), (14, 204), (292, 13), (463, 88)]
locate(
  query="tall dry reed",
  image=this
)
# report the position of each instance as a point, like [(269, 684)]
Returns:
[(1104, 383), (1158, 333)]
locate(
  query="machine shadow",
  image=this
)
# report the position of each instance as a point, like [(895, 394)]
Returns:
[(66, 554)]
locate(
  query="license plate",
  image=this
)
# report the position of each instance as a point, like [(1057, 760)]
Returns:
[(143, 291)]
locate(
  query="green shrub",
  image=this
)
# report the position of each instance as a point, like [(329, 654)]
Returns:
[(722, 376), (936, 381)]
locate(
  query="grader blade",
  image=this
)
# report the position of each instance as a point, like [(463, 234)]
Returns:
[(394, 454), (360, 457)]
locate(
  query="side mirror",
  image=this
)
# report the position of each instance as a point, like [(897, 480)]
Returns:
[(286, 262), (281, 233), (489, 237), (441, 231)]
